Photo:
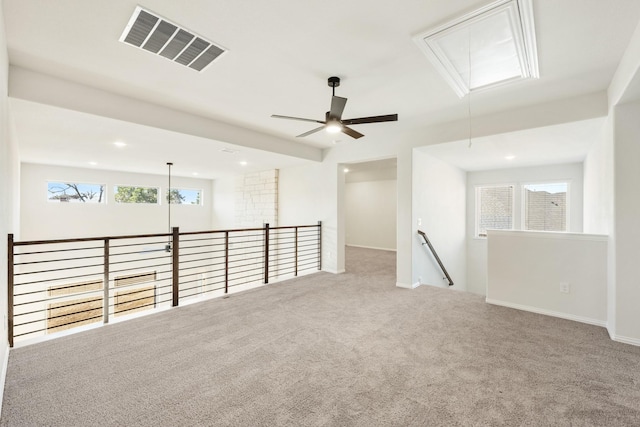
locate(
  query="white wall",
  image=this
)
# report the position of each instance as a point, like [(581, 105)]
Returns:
[(627, 217), (370, 214), (477, 248), (223, 203), (598, 184), (308, 194), (41, 219), (9, 198), (525, 270), (439, 191)]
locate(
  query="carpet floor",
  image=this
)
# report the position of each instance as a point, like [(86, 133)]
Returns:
[(329, 350)]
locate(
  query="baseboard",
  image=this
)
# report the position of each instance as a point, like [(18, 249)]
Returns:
[(3, 377), (406, 286), (332, 271), (625, 340), (566, 316), (371, 247)]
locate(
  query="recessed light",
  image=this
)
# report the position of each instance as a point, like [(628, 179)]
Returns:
[(93, 163), (194, 173), (120, 144), (243, 163), (510, 157), (346, 170)]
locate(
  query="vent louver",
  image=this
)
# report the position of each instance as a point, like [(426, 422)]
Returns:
[(157, 35)]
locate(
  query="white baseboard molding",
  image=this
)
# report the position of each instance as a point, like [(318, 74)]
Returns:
[(407, 286), (333, 271), (3, 377), (371, 247), (537, 310), (625, 340)]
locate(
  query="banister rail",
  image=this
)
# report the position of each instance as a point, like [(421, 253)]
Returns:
[(435, 255), (59, 284)]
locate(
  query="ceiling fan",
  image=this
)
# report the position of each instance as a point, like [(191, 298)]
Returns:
[(333, 122)]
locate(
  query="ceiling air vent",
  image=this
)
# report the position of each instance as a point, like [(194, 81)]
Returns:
[(159, 36), (485, 48)]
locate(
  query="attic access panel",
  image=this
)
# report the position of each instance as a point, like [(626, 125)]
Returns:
[(159, 36), (491, 46)]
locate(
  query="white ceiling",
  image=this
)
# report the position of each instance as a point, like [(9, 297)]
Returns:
[(52, 135), (280, 55), (565, 143)]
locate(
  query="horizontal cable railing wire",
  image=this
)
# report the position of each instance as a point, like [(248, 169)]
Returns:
[(61, 284)]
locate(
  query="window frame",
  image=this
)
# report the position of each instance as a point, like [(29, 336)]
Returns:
[(200, 190), (159, 195), (477, 188), (105, 195), (523, 204)]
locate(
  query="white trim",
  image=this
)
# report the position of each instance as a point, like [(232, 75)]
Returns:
[(566, 316), (372, 247), (333, 271), (406, 286), (625, 340), (3, 376), (549, 235)]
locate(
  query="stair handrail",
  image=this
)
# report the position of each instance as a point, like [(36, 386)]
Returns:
[(435, 254)]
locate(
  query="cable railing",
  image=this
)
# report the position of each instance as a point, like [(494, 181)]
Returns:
[(435, 255), (59, 285)]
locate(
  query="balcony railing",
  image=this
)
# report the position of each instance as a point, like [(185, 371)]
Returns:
[(58, 285)]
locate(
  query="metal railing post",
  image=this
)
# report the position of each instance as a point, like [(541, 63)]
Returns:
[(175, 261), (10, 262), (226, 262), (319, 245), (105, 283), (266, 253), (296, 254)]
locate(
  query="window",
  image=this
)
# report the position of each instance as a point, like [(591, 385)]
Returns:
[(494, 208), (75, 193), (182, 196), (545, 206), (127, 194)]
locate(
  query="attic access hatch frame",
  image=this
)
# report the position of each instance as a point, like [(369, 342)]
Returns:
[(502, 51)]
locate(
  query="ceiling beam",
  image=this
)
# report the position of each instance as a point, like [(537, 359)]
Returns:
[(45, 89)]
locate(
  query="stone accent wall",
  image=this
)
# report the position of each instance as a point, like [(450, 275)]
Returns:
[(257, 199)]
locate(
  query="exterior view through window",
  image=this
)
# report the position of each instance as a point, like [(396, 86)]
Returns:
[(75, 193), (545, 206), (182, 196), (128, 194), (494, 209)]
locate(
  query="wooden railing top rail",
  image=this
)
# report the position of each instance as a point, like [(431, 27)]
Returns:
[(141, 236)]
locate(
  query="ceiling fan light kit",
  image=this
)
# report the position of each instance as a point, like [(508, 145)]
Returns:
[(333, 122)]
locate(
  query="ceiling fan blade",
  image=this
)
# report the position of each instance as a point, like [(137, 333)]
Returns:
[(374, 119), (310, 132), (276, 116), (352, 133), (337, 107)]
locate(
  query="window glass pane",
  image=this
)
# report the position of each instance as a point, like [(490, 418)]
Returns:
[(494, 209), (182, 196), (127, 194), (75, 193), (545, 207)]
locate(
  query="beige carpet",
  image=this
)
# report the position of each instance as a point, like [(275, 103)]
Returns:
[(348, 349)]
